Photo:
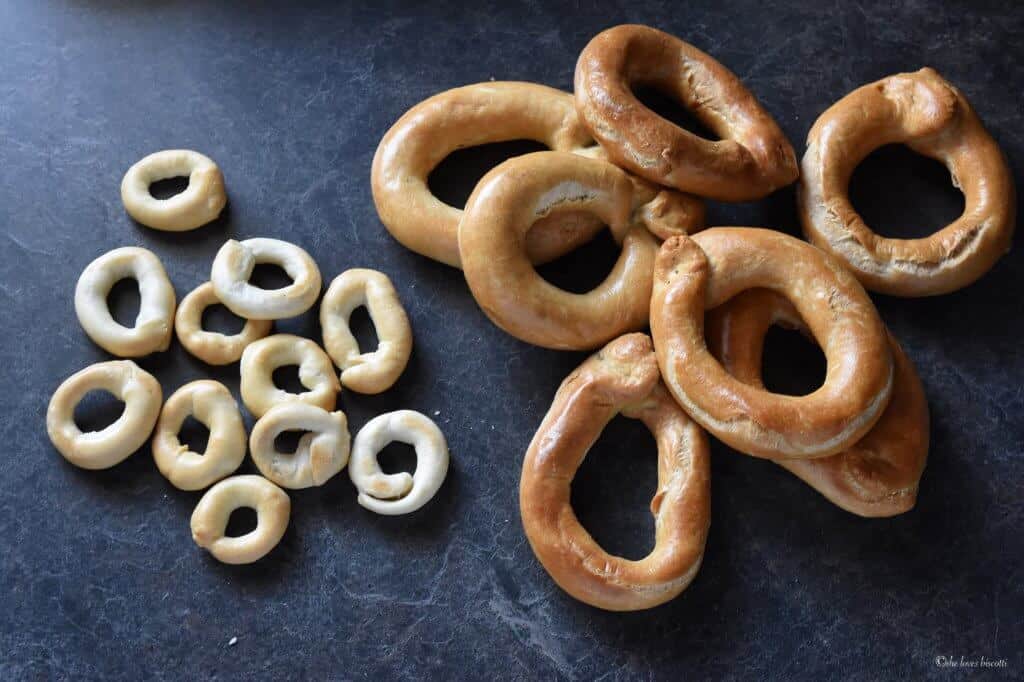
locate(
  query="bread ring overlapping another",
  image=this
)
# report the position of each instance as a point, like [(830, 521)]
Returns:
[(484, 113), (876, 476), (470, 116), (492, 235), (695, 274)]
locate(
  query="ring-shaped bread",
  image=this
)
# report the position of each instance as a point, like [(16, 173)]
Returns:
[(698, 273), (753, 157), (502, 209), (321, 453), (155, 320), (199, 203), (876, 476), (401, 493), (620, 378), (261, 358), (377, 370), (470, 116), (102, 449), (926, 113), (213, 348), (210, 403), (210, 518), (233, 266)]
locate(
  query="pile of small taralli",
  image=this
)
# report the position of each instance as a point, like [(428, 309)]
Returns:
[(323, 450), (709, 296)]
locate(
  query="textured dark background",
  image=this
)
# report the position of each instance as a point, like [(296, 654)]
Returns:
[(99, 575)]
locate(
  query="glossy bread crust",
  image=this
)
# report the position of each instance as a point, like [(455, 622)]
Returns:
[(925, 112), (879, 474), (621, 378), (752, 159), (698, 273), (506, 203), (469, 116)]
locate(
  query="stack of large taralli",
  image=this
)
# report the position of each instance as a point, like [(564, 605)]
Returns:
[(709, 295)]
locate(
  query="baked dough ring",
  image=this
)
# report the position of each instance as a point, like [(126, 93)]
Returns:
[(930, 116), (694, 274), (752, 159), (261, 358), (210, 518), (377, 370), (664, 212), (502, 209), (621, 377), (395, 494), (155, 321), (213, 348), (103, 449), (878, 475), (470, 116), (321, 453), (211, 404), (201, 202), (233, 266)]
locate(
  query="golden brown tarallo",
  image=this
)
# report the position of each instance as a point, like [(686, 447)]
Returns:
[(485, 113), (507, 202), (753, 157), (879, 474), (621, 378), (694, 274), (926, 113), (470, 116)]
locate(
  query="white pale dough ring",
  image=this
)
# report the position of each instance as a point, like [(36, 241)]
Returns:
[(103, 449), (210, 518), (212, 348), (234, 264), (155, 321), (261, 358), (210, 403), (395, 494), (198, 204), (374, 371), (321, 453)]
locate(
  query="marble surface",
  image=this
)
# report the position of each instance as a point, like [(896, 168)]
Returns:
[(100, 576)]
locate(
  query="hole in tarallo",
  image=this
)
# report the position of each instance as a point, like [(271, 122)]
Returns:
[(97, 410), (169, 187), (612, 491), (904, 195), (453, 180)]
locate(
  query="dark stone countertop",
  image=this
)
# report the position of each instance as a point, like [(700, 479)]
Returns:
[(100, 574)]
